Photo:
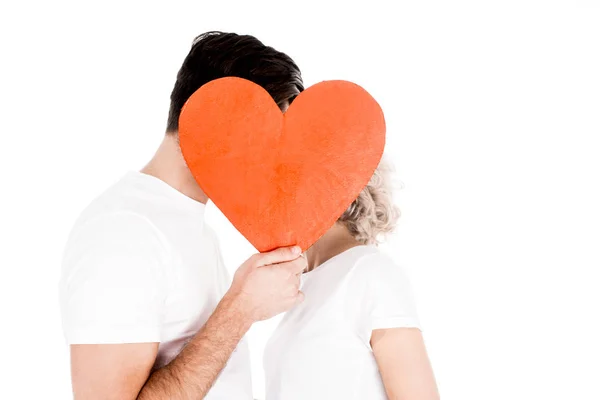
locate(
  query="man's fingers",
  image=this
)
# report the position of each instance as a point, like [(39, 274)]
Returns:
[(280, 255), (294, 267), (299, 298)]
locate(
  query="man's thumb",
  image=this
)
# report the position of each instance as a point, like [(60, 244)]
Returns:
[(299, 298)]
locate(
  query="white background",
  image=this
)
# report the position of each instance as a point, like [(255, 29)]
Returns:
[(493, 112)]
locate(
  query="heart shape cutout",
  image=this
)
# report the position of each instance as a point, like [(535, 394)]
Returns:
[(281, 179)]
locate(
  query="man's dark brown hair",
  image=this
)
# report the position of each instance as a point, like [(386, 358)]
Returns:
[(216, 55)]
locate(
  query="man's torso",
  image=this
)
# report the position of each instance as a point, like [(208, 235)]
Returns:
[(193, 276)]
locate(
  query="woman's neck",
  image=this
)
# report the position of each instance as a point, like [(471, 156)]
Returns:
[(335, 241)]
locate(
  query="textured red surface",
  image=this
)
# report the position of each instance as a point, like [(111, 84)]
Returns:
[(281, 179)]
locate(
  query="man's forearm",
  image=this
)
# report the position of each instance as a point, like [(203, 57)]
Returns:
[(192, 373)]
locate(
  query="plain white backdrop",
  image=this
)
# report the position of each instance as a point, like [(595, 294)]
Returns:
[(493, 113)]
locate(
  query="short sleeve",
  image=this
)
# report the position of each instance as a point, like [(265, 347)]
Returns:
[(390, 301), (111, 288)]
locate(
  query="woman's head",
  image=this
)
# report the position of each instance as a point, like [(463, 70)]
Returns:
[(373, 213)]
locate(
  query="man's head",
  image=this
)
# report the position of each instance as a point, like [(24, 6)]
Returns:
[(216, 55)]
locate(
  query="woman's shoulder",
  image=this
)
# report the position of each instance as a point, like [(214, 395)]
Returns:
[(364, 267), (375, 263), (377, 272), (383, 291)]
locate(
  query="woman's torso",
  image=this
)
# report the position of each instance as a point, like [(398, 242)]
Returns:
[(321, 348)]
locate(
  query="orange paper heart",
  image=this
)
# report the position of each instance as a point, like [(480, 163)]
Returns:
[(281, 179)]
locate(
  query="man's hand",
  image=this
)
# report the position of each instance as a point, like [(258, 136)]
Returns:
[(267, 284)]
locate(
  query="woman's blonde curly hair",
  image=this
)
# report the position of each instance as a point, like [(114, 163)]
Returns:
[(373, 214)]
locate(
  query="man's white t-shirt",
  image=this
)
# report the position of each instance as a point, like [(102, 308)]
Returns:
[(141, 265), (321, 349)]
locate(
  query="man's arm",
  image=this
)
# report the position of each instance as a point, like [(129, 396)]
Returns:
[(264, 286), (110, 371), (193, 372)]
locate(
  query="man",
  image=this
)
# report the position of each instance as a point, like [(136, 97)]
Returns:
[(146, 302)]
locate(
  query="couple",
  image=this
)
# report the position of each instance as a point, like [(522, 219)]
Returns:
[(149, 310)]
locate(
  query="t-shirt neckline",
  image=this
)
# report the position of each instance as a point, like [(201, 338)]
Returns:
[(170, 191), (338, 256)]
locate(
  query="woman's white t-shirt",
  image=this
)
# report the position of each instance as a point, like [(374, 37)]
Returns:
[(321, 349)]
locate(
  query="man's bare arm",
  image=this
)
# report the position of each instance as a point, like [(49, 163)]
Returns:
[(193, 372), (110, 371)]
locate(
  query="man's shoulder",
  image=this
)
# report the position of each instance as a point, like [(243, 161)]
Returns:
[(125, 204), (115, 234), (126, 195)]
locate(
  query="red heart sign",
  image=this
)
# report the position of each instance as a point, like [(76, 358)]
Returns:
[(281, 179)]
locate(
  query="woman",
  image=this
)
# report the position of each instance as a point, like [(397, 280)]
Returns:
[(356, 335)]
